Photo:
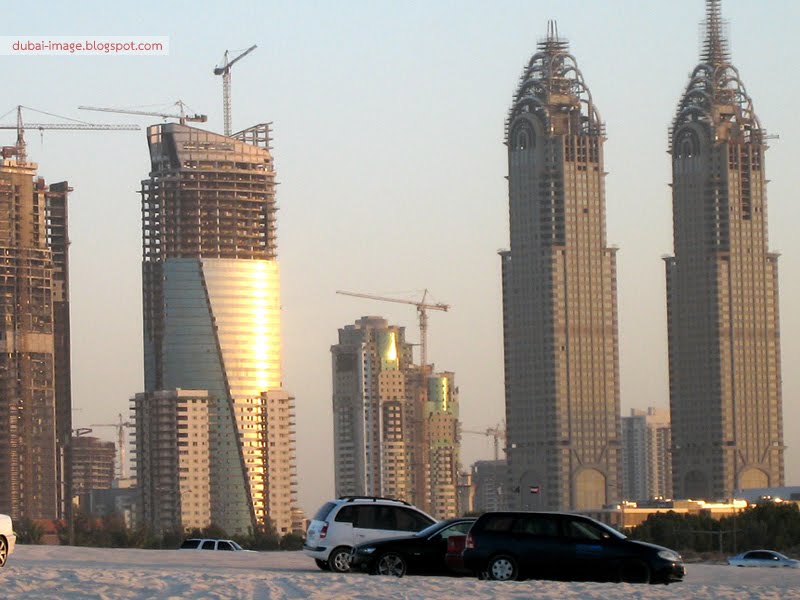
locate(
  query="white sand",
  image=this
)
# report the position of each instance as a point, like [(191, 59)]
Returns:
[(56, 572)]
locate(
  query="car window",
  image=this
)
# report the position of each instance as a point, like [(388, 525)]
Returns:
[(409, 520), (346, 514), (539, 525), (190, 544), (224, 546), (585, 530), (498, 523), (236, 546), (324, 511), (455, 529), (208, 545)]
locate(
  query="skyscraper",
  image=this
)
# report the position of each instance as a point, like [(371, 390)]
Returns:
[(722, 288), (646, 463), (559, 293), (212, 301), (396, 429), (34, 342)]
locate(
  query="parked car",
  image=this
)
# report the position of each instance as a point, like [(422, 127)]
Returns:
[(341, 524), (763, 558), (7, 539), (423, 552), (212, 544), (454, 559), (515, 545)]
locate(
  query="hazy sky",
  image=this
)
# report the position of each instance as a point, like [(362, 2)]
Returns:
[(388, 125)]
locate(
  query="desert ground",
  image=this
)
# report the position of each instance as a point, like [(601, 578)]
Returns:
[(63, 572)]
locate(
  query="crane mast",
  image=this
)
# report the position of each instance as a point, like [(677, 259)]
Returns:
[(422, 308), (225, 71), (120, 427)]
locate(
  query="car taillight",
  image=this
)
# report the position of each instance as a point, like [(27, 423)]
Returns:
[(324, 531), (470, 543)]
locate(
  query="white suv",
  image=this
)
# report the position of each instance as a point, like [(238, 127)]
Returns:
[(350, 520)]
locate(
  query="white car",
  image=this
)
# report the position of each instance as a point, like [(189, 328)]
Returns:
[(763, 558), (212, 544), (348, 521), (7, 539)]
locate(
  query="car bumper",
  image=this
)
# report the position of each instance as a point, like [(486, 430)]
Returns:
[(317, 552), (668, 572), (361, 562), (12, 540)]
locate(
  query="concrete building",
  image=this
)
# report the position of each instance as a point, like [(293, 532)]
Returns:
[(722, 288), (281, 480), (395, 423), (489, 481), (35, 404), (559, 294), (212, 302), (173, 458), (92, 464), (646, 462)]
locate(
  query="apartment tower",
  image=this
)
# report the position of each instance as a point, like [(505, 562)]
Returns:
[(35, 405), (212, 302), (722, 288), (559, 294), (646, 461), (396, 428)]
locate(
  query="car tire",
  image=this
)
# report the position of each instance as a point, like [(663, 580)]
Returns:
[(502, 568), (3, 551), (322, 564), (339, 560), (391, 563), (634, 571)]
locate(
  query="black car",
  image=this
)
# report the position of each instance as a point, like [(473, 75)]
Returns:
[(424, 552), (516, 545)]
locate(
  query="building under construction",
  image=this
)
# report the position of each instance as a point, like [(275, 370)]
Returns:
[(35, 404), (212, 306)]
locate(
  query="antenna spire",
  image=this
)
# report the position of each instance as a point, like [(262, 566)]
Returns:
[(715, 46)]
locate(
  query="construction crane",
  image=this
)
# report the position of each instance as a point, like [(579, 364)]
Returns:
[(225, 71), (19, 149), (422, 307), (182, 116), (498, 433), (120, 427)]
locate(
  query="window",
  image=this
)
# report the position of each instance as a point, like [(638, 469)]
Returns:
[(538, 525), (347, 514), (190, 544), (208, 545), (409, 520), (584, 530), (224, 546)]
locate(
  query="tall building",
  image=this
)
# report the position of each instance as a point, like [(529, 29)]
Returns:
[(722, 288), (35, 405), (212, 300), (646, 462), (559, 294), (489, 484), (92, 464), (396, 428), (173, 458)]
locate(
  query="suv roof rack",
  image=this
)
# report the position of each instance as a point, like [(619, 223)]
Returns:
[(373, 498)]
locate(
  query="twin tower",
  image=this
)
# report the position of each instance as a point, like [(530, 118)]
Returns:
[(560, 298)]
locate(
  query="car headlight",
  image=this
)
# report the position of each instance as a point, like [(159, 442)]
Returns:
[(670, 555), (366, 550)]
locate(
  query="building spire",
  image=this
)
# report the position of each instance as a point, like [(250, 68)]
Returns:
[(715, 46)]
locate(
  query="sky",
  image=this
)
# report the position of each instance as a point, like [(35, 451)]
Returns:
[(388, 125)]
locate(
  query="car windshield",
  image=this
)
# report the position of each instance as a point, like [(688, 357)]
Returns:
[(431, 529), (236, 546)]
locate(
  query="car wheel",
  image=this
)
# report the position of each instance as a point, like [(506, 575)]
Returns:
[(3, 551), (634, 571), (502, 568), (322, 564), (339, 560), (391, 563)]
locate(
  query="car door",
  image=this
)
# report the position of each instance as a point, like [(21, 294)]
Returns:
[(434, 550), (539, 547), (374, 522), (592, 550)]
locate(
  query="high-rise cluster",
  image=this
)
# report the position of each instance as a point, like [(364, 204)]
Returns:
[(396, 430), (559, 293)]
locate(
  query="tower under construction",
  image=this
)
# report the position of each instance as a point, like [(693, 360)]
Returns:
[(212, 308), (722, 288), (35, 403), (559, 294)]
